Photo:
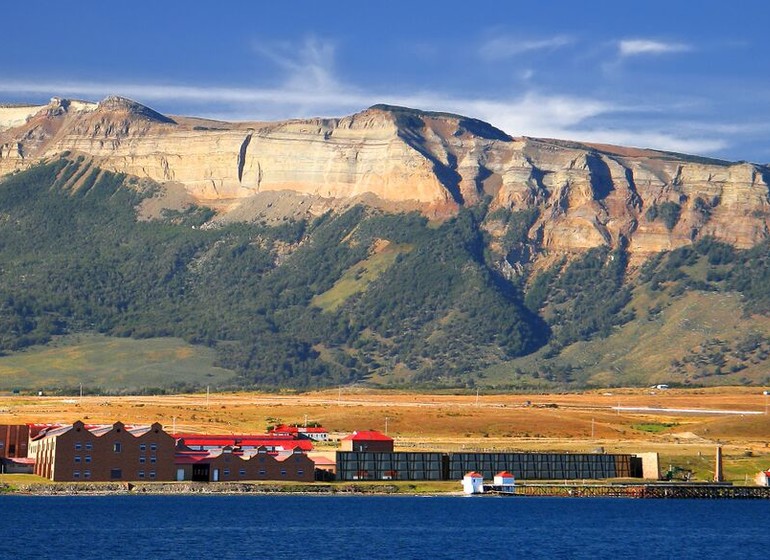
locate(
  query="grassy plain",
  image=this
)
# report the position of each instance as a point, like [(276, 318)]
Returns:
[(572, 422), (111, 364)]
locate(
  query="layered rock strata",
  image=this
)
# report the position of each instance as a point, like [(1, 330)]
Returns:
[(587, 195)]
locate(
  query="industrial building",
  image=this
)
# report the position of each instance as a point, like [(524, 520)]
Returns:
[(453, 466)]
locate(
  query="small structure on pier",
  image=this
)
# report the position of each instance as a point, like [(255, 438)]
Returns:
[(504, 482), (473, 483)]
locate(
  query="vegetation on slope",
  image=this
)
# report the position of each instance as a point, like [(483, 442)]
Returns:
[(362, 295), (77, 260)]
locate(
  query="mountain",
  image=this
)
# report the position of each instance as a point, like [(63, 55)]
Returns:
[(403, 159), (393, 246)]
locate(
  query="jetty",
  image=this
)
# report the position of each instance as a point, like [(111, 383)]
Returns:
[(709, 491)]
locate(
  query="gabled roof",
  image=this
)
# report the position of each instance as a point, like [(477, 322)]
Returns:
[(473, 474), (367, 435), (97, 430), (241, 441), (504, 474)]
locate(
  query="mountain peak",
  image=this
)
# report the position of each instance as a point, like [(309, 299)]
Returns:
[(118, 104), (409, 117)]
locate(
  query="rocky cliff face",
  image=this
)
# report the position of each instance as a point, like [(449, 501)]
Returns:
[(587, 195)]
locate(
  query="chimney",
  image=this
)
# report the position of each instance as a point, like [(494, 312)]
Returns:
[(718, 476)]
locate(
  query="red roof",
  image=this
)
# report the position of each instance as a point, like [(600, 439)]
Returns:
[(474, 474), (367, 435), (283, 442), (19, 460), (504, 474), (283, 428)]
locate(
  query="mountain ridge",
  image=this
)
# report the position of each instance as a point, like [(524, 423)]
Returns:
[(587, 195)]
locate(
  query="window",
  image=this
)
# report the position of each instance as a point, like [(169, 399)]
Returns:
[(283, 472), (88, 458), (153, 459), (116, 447), (142, 459), (89, 445), (226, 472), (87, 474), (300, 473), (153, 447), (141, 474), (261, 472), (142, 447), (77, 458), (76, 474), (116, 474), (152, 474), (78, 445), (242, 472)]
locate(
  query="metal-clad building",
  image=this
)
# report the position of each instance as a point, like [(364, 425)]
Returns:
[(352, 465), (544, 466), (453, 466)]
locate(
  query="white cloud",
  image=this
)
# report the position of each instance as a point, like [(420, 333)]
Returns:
[(636, 47), (310, 87), (506, 47), (532, 114)]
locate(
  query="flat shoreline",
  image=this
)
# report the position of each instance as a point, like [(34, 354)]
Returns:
[(218, 488)]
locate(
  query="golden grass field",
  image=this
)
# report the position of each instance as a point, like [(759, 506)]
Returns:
[(575, 422)]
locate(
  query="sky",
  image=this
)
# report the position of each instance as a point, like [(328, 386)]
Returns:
[(687, 76)]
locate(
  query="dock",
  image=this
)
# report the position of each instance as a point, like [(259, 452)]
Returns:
[(701, 491)]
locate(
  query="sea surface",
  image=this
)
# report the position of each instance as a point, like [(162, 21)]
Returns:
[(374, 527)]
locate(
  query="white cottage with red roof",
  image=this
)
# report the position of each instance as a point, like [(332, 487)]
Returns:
[(504, 481), (473, 483)]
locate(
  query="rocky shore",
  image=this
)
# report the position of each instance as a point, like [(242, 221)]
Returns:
[(84, 488)]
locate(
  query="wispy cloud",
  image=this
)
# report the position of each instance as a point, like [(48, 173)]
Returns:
[(308, 65), (506, 47), (310, 86), (638, 47)]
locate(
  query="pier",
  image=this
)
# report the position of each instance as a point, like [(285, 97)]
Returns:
[(635, 490)]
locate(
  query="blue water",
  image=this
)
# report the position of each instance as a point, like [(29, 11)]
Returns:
[(342, 527)]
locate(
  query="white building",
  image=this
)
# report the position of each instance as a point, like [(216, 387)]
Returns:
[(473, 483), (504, 481)]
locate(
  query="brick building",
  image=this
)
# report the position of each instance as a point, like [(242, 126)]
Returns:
[(229, 464), (103, 453), (13, 441)]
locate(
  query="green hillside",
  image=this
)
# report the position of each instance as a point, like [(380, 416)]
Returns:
[(360, 296)]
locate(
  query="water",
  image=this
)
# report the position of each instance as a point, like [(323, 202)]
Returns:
[(342, 527)]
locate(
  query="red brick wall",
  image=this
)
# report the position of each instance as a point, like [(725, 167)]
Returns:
[(117, 455), (13, 440)]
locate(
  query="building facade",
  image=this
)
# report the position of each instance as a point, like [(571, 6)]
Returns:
[(229, 465), (104, 453), (13, 440)]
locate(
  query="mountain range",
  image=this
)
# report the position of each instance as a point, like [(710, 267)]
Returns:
[(393, 246)]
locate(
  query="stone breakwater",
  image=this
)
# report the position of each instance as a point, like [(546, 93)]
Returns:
[(107, 488)]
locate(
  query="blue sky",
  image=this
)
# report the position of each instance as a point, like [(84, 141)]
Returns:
[(689, 76)]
